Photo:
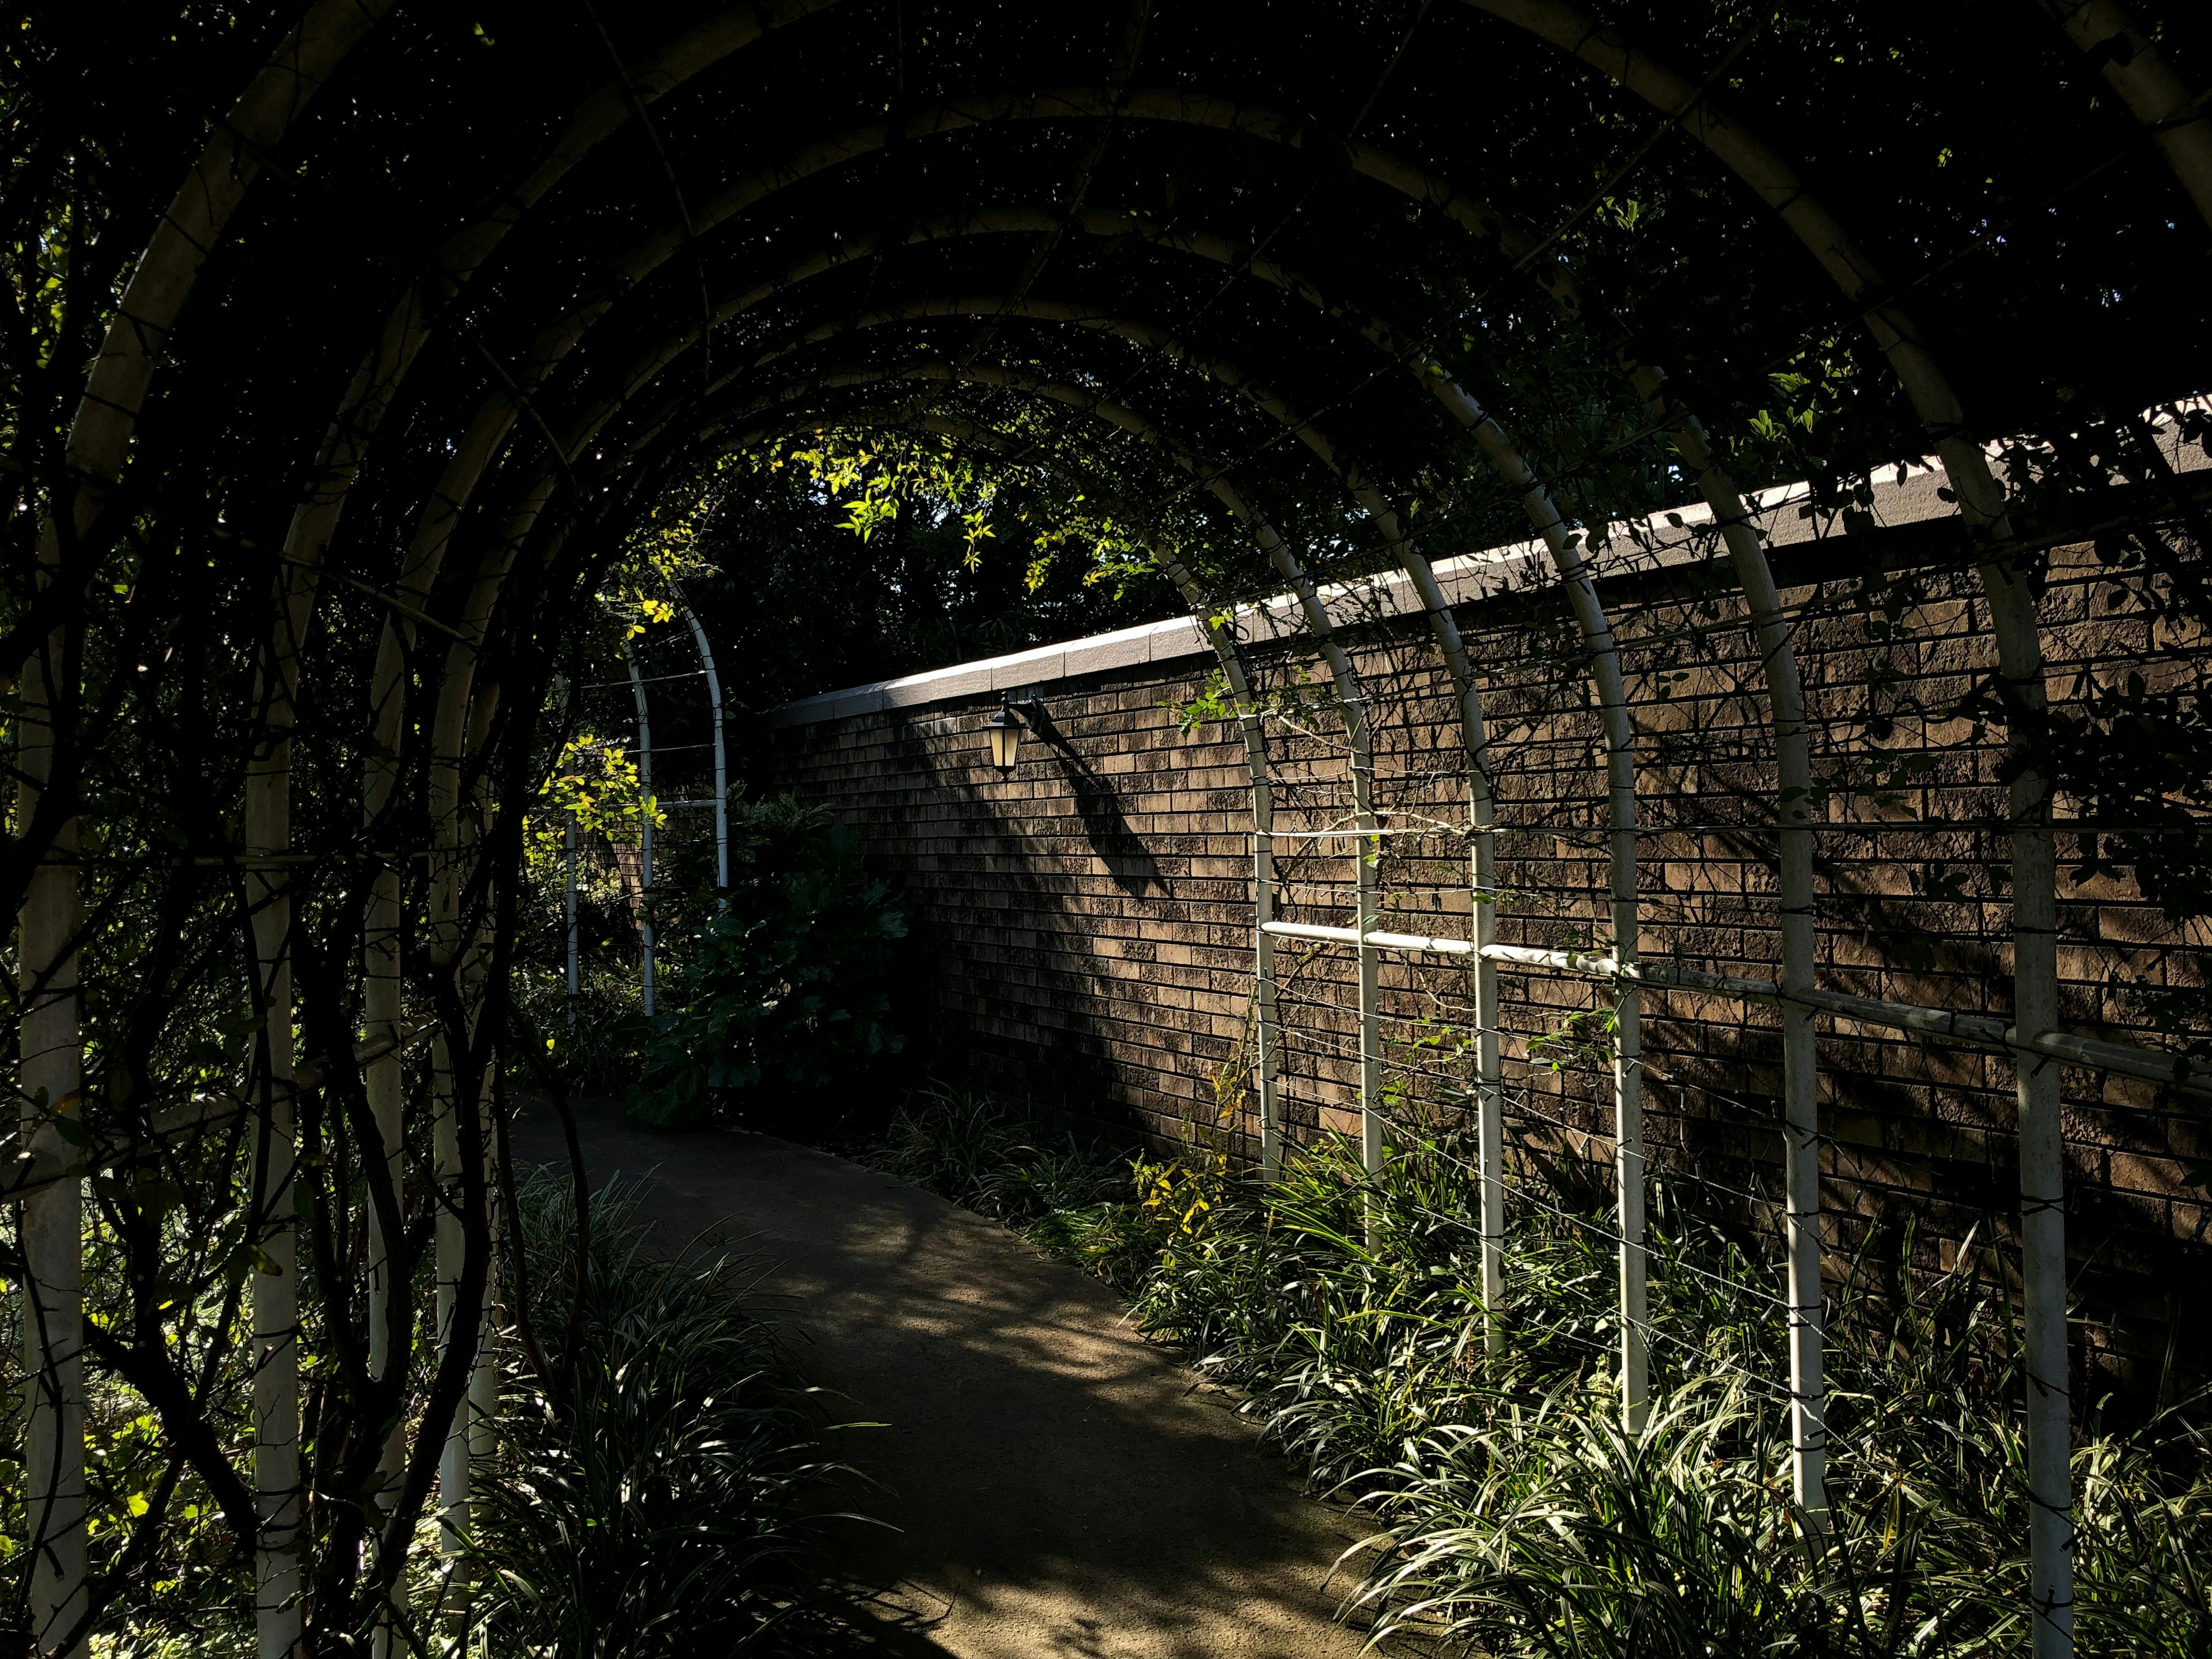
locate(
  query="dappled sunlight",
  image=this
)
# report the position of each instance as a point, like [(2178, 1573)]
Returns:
[(1064, 1486)]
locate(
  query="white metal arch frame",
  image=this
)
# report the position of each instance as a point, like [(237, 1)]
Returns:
[(461, 720), (50, 1039), (499, 558), (1350, 701), (1630, 1158), (1981, 499), (1746, 553), (1604, 665), (1800, 1086)]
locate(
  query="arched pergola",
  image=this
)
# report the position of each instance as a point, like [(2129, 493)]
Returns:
[(437, 312)]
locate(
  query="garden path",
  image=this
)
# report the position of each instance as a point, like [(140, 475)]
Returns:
[(1059, 1487)]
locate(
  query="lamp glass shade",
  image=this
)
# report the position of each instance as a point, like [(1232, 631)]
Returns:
[(1006, 730)]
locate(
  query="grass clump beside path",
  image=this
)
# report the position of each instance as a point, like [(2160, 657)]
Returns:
[(650, 1489), (1514, 1517)]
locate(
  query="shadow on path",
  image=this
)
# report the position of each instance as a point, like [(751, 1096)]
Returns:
[(1058, 1486)]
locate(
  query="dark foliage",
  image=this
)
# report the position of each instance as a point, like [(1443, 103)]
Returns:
[(784, 993)]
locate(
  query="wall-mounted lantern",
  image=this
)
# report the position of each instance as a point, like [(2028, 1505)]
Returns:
[(1005, 728)]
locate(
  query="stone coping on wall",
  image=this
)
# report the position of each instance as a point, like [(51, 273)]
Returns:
[(1906, 492)]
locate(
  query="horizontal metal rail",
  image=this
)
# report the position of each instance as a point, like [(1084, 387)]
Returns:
[(1985, 1032)]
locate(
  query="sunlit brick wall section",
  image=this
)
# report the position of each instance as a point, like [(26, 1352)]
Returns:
[(1087, 922)]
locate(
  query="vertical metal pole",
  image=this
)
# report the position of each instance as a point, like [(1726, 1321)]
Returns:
[(644, 823), (1801, 1103), (1489, 1087), (569, 851), (468, 1439), (50, 1222), (1801, 1075), (278, 1613), (1363, 772), (383, 1081), (452, 1246), (460, 730), (481, 1412), (1265, 1018), (1629, 1174), (1368, 850), (721, 758), (1564, 546), (1630, 1166), (2042, 1140), (2043, 1278), (449, 953), (1490, 1106)]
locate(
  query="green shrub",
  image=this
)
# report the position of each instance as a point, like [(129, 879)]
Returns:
[(1065, 1195), (784, 990), (656, 1509), (1515, 1515)]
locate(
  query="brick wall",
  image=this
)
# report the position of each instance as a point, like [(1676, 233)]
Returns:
[(1088, 923)]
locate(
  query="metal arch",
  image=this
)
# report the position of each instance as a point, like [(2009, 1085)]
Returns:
[(1619, 743), (1777, 659), (644, 824), (1352, 705), (50, 1037), (1801, 1076), (1359, 738), (721, 751), (2019, 655), (460, 727), (1629, 1153), (407, 329), (1627, 1097), (1265, 1021), (1630, 1158), (2158, 98), (498, 559), (1611, 697), (1770, 656), (1786, 840), (1624, 1096), (1489, 1111), (1620, 766)]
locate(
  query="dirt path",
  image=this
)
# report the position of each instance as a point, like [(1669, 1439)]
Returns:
[(1059, 1487)]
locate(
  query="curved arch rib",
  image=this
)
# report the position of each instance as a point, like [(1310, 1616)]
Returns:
[(2020, 664), (1746, 555), (1342, 674), (2158, 98), (116, 389)]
